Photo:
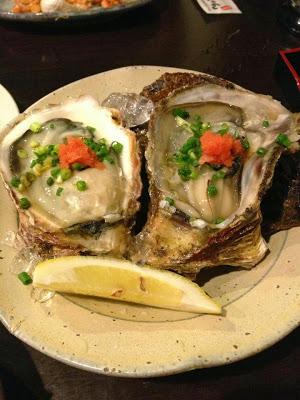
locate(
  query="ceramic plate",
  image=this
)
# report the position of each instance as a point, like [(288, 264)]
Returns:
[(71, 16), (260, 306), (8, 107)]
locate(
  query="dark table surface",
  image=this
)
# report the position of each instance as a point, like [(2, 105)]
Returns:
[(242, 48)]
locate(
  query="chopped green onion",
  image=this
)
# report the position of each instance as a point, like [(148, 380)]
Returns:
[(37, 169), (224, 129), (33, 163), (47, 163), (170, 201), (15, 182), (52, 126), (34, 144), (54, 162), (78, 166), (219, 220), (35, 127), (205, 126), (65, 174), (24, 203), (179, 112), (212, 190), (50, 181), (261, 151), (24, 181), (185, 173), (55, 172), (81, 186), (197, 127), (182, 123), (30, 177), (117, 147), (266, 123), (245, 143), (25, 278), (59, 191), (21, 187), (22, 153), (41, 150), (218, 175), (283, 140)]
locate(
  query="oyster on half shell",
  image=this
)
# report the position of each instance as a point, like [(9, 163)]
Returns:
[(77, 207), (189, 225)]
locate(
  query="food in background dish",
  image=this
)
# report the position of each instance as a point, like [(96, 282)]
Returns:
[(73, 172), (37, 6), (211, 153)]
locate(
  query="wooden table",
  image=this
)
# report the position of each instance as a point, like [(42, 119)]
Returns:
[(242, 48)]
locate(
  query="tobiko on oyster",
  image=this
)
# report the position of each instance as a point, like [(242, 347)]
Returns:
[(212, 149), (73, 172)]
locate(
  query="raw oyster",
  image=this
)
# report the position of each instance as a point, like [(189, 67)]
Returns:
[(202, 212), (78, 170)]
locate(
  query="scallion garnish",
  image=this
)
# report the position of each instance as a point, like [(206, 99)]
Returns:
[(24, 203), (30, 177), (25, 278), (117, 147), (266, 123), (261, 151), (78, 166), (283, 140), (59, 191), (170, 201), (212, 190), (81, 186), (22, 153), (224, 129), (65, 174), (55, 172), (245, 143), (34, 144), (50, 181), (179, 112), (219, 175), (41, 150), (15, 182), (36, 127)]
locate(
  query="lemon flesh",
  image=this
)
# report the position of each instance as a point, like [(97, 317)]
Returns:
[(122, 280)]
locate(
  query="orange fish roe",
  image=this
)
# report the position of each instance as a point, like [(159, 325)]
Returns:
[(110, 3), (76, 151), (27, 6), (218, 149)]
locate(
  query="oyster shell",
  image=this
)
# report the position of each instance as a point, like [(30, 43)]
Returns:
[(61, 216), (194, 230)]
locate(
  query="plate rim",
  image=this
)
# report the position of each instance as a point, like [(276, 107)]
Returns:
[(12, 105)]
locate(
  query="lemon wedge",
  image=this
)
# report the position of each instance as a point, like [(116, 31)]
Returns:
[(122, 280)]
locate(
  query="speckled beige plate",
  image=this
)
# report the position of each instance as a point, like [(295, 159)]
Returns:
[(260, 306)]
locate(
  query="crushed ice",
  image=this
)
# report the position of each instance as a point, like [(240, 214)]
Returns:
[(135, 109)]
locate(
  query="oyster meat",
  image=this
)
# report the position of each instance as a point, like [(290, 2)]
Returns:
[(211, 154), (73, 172)]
